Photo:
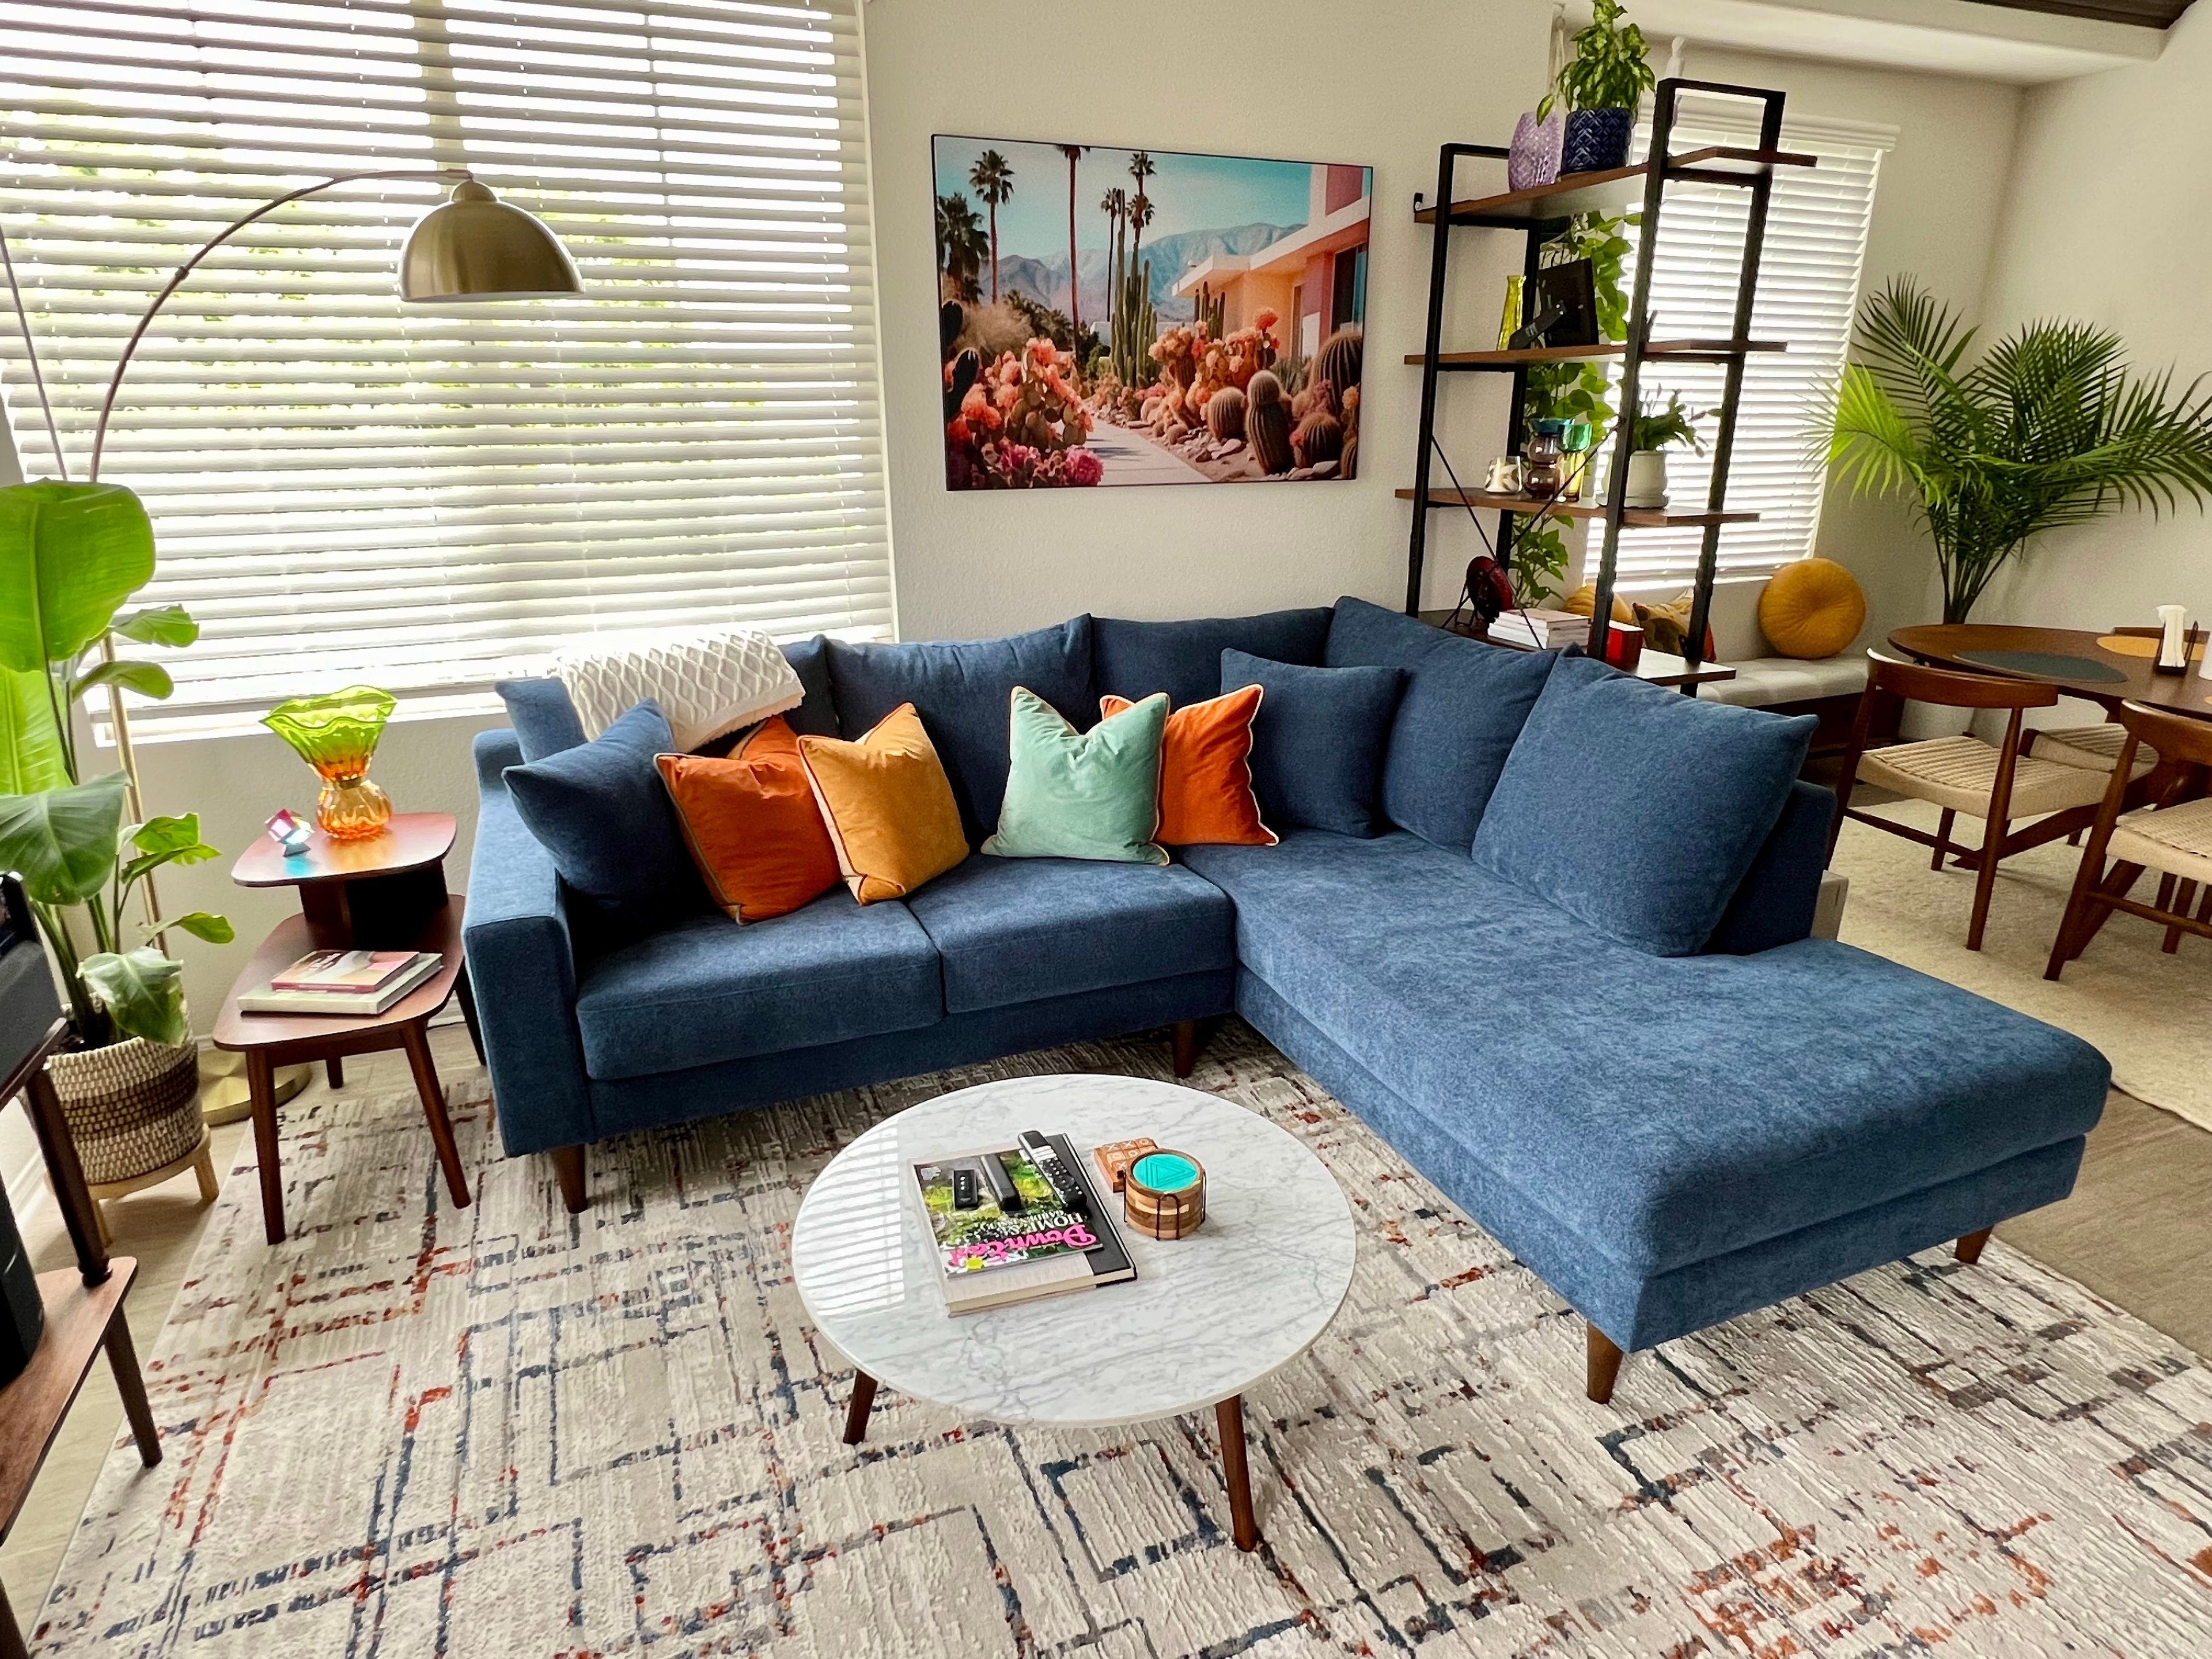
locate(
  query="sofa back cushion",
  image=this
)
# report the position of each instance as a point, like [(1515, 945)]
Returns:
[(601, 811), (963, 690), (1635, 809), (1183, 659), (545, 721), (1464, 704), (817, 717), (1317, 740)]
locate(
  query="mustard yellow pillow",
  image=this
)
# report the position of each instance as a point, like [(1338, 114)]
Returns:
[(887, 804), (1813, 607)]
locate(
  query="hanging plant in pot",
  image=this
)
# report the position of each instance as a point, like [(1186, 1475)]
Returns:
[(1650, 433), (70, 556), (1600, 86)]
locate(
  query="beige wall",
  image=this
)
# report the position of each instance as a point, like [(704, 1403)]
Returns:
[(2108, 219), (1385, 92)]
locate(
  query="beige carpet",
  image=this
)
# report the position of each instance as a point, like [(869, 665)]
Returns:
[(2150, 1013), (505, 1433)]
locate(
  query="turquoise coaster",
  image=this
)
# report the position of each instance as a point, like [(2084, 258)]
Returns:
[(1163, 1172)]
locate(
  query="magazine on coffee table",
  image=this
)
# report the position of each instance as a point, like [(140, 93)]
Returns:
[(1001, 1235)]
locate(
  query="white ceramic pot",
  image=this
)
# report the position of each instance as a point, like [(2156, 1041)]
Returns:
[(1647, 478)]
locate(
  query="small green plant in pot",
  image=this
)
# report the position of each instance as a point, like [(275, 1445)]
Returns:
[(1651, 432), (2048, 428), (70, 556), (1601, 84)]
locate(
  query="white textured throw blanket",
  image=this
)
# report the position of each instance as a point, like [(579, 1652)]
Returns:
[(708, 683)]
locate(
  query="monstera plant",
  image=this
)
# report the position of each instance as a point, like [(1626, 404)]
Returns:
[(71, 555)]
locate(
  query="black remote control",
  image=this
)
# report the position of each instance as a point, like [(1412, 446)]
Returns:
[(1002, 1186), (1073, 1195), (967, 1195)]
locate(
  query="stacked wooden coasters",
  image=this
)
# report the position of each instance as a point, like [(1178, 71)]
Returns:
[(1164, 1194)]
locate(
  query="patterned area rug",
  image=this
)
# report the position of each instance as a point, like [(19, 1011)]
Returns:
[(509, 1433)]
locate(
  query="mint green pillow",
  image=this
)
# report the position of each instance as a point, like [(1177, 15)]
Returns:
[(1073, 794)]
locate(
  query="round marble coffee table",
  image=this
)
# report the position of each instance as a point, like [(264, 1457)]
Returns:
[(1206, 1318)]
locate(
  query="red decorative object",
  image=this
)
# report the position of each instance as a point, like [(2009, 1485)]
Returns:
[(1624, 644)]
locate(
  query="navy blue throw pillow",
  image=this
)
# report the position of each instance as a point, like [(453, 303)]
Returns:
[(544, 719), (601, 812), (1318, 740), (1635, 809)]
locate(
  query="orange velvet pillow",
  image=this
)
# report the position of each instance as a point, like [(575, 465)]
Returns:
[(1206, 772), (752, 825), (889, 806)]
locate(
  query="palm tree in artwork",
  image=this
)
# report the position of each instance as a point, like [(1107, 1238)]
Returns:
[(1141, 168), (1074, 153), (1115, 205), (960, 243), (991, 179)]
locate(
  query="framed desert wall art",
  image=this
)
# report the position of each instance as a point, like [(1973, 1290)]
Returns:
[(1146, 316)]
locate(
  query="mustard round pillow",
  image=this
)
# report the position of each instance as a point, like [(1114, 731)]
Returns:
[(1813, 607)]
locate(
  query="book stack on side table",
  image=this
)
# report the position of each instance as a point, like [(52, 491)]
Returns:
[(1540, 629), (342, 983), (1014, 1223)]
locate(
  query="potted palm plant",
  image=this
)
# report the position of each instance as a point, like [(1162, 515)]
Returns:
[(2047, 427), (70, 556), (1650, 432), (1601, 84)]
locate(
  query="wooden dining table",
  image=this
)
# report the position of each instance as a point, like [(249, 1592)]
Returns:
[(2108, 668)]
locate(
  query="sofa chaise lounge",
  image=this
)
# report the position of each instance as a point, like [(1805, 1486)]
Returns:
[(1667, 1140)]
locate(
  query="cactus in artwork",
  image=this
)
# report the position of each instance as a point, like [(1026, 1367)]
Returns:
[(1339, 363), (1319, 437), (1267, 424), (1136, 325), (1211, 309), (1225, 414)]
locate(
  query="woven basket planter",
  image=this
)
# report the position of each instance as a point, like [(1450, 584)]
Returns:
[(132, 1106)]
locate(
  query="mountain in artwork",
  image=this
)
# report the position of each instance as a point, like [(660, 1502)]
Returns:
[(1046, 280)]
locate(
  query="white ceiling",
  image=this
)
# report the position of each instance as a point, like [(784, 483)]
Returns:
[(1955, 37)]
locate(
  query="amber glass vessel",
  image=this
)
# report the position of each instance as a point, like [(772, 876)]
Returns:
[(335, 733)]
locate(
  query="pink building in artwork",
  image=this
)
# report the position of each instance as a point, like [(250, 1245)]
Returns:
[(1315, 279)]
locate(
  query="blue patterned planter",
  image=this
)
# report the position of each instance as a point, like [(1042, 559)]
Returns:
[(1597, 139)]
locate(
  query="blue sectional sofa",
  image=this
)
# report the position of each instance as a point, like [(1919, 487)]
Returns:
[(1669, 1139)]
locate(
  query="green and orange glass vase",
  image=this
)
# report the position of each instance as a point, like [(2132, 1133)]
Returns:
[(335, 733)]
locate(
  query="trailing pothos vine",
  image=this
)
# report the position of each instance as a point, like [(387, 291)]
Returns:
[(1572, 391)]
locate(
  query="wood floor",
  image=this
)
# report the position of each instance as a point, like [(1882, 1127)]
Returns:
[(2135, 1232)]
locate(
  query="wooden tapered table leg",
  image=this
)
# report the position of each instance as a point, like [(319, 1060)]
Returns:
[(261, 1085), (416, 1037), (11, 1635), (856, 1412), (131, 1383), (1228, 1418)]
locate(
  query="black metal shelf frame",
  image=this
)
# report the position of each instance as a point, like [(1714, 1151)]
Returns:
[(1755, 174)]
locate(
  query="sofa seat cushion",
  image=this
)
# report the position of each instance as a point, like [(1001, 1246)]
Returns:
[(1665, 1109), (1016, 930), (710, 990)]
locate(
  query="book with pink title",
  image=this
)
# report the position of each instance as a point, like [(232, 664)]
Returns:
[(347, 971)]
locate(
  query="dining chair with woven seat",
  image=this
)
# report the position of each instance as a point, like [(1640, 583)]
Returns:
[(2092, 748), (2173, 838), (1995, 782)]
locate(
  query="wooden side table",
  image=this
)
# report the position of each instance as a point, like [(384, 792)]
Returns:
[(384, 892), (84, 1315)]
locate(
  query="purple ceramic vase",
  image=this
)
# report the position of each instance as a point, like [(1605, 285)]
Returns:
[(1535, 157)]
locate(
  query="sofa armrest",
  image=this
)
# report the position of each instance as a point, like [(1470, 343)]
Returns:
[(1775, 903), (522, 967)]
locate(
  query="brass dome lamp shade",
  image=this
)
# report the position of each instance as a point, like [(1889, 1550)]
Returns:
[(475, 246)]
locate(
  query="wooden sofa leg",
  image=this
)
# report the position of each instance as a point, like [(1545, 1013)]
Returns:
[(1603, 1365), (1185, 1046), (568, 1165), (1969, 1249)]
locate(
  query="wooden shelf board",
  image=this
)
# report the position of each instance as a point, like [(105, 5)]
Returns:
[(1719, 351), (33, 1406), (1617, 187), (1634, 517)]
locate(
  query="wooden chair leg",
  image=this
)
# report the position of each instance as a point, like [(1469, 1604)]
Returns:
[(1943, 838), (1969, 1249), (204, 1172), (2074, 928), (261, 1086), (1602, 1364), (1185, 1046), (334, 1069), (2185, 897), (568, 1169), (1985, 882), (418, 1039)]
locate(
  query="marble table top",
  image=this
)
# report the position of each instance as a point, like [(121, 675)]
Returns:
[(1208, 1316)]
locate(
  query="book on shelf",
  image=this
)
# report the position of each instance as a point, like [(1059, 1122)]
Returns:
[(344, 971), (273, 999), (1540, 630), (995, 1255)]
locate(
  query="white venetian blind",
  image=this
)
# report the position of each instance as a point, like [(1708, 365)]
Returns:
[(1808, 286), (345, 488)]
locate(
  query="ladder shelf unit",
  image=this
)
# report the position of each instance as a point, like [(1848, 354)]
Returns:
[(1541, 213)]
